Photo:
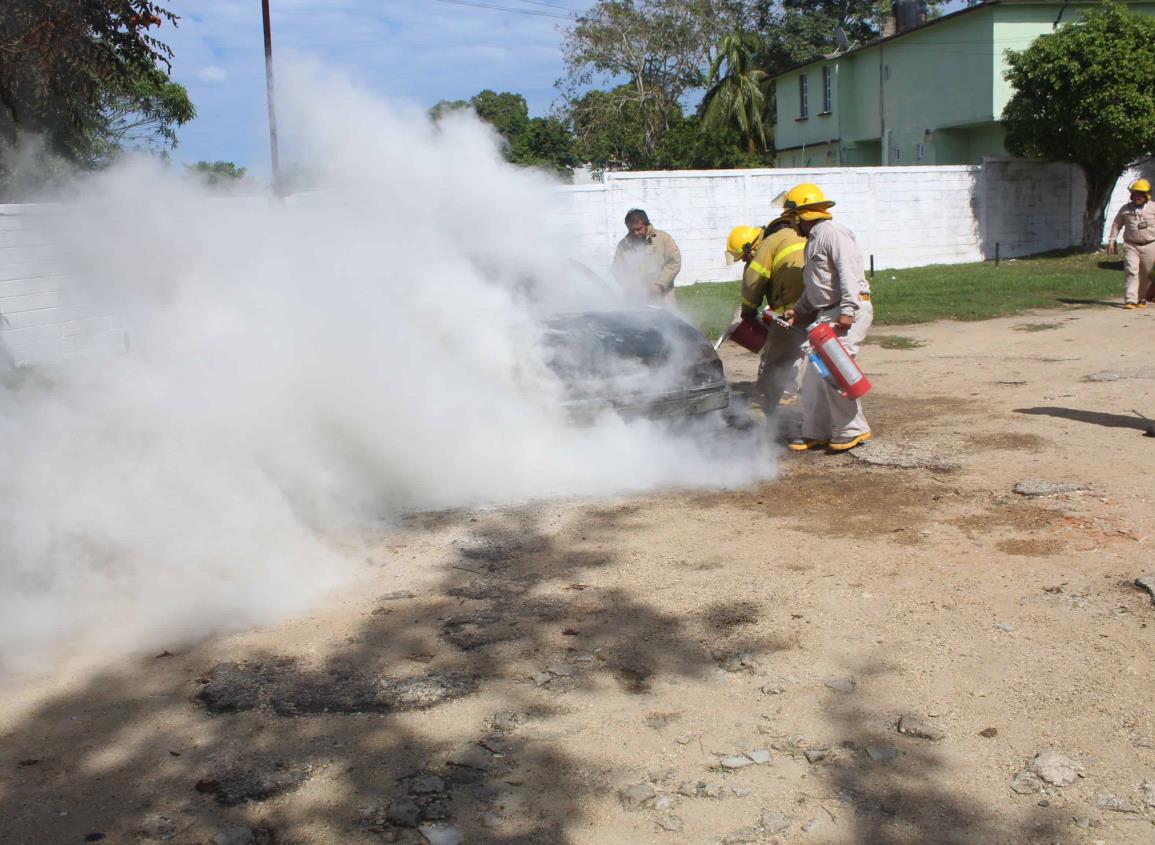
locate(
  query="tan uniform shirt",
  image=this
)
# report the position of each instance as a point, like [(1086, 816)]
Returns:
[(775, 272), (833, 273), (1136, 222), (654, 259)]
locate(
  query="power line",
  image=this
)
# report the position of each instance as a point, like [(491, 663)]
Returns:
[(541, 13), (550, 5)]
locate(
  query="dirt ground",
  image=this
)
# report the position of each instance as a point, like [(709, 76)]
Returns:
[(576, 672)]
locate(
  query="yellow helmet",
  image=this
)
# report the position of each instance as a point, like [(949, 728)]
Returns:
[(807, 202), (1141, 186), (743, 239)]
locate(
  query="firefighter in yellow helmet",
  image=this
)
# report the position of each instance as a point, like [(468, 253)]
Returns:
[(835, 291), (773, 274), (1136, 219)]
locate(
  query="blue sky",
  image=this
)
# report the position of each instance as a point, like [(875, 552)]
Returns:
[(417, 50)]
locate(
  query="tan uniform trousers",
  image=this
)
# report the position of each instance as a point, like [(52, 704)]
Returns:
[(826, 413), (1138, 261), (777, 373)]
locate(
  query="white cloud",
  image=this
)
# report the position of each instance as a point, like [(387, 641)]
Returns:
[(212, 73)]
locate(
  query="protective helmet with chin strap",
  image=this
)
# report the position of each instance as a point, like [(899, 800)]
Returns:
[(742, 241), (807, 202)]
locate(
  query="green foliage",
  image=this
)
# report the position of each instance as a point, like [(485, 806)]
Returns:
[(1086, 94), (542, 142), (217, 174), (740, 97), (85, 75), (660, 47)]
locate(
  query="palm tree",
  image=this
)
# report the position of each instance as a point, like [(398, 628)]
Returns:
[(739, 97)]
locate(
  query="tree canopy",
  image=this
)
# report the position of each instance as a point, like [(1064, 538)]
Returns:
[(87, 76), (1086, 94), (542, 142)]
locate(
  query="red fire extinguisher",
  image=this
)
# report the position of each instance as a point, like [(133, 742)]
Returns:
[(845, 375)]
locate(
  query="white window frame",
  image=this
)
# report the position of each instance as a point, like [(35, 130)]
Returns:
[(827, 90), (803, 96)]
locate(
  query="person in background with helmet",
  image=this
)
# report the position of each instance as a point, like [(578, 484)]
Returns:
[(835, 287), (1136, 219), (773, 273), (647, 260)]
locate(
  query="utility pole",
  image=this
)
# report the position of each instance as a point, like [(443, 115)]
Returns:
[(272, 108)]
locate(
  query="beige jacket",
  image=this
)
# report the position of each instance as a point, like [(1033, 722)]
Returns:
[(1136, 222), (775, 272), (654, 259), (833, 274)]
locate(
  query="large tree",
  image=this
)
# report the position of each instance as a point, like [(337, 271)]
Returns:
[(656, 50), (739, 96), (83, 74), (542, 142), (1086, 94)]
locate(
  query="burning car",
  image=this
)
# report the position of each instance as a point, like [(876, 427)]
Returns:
[(645, 362)]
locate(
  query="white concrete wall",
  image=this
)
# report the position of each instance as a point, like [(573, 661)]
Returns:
[(903, 216)]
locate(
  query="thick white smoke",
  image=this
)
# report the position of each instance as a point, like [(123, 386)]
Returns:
[(296, 368)]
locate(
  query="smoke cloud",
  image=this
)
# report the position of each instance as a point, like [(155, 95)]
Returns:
[(296, 369)]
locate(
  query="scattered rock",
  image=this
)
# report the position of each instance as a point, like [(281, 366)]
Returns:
[(1026, 783), (404, 812), (397, 595), (881, 753), (662, 775), (735, 761), (989, 733), (843, 685), (815, 755), (663, 802), (426, 784), (158, 827), (1110, 801), (435, 811), (688, 789), (1035, 488), (491, 821), (811, 825), (773, 689), (96, 836), (1147, 582), (471, 756), (1149, 793), (1006, 626), (912, 726), (289, 691), (238, 784), (775, 822), (542, 678), (1043, 802), (686, 739), (760, 756), (506, 721), (743, 661), (1104, 375), (440, 834), (744, 835), (1082, 822), (885, 453), (657, 720), (711, 790), (562, 670), (236, 835), (740, 790), (636, 797), (1055, 768), (670, 822)]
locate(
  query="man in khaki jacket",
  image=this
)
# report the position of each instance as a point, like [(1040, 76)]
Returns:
[(647, 260), (1136, 219), (773, 273)]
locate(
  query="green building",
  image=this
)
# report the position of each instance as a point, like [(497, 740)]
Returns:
[(930, 93)]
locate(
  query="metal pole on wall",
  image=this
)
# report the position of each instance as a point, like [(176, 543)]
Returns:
[(272, 108)]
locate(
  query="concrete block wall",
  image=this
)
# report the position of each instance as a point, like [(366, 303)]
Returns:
[(45, 314)]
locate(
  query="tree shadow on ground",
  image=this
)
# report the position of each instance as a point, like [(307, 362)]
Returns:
[(1066, 300), (442, 707), (899, 789), (1103, 418)]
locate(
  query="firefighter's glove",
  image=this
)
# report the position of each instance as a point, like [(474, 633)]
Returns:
[(843, 323)]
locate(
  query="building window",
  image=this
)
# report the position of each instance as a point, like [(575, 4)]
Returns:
[(920, 151), (897, 154), (827, 99), (803, 102), (886, 72)]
